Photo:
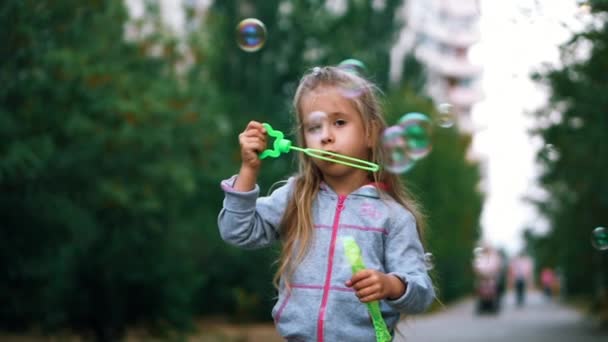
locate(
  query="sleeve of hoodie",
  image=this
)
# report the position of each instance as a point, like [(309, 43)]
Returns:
[(249, 221), (404, 257)]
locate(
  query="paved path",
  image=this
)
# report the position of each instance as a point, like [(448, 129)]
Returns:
[(539, 320)]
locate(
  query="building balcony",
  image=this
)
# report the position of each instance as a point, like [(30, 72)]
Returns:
[(447, 64), (464, 97), (453, 36), (469, 8)]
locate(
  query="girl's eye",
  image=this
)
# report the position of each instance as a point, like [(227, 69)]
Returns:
[(340, 122)]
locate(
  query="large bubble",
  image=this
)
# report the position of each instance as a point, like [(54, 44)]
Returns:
[(251, 35)]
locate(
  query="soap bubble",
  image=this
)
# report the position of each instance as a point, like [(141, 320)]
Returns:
[(417, 133), (398, 160), (599, 238), (352, 89), (446, 117), (429, 261), (353, 65), (549, 152), (251, 35), (314, 121), (478, 251)]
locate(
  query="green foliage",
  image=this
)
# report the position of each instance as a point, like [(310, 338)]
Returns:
[(100, 154), (575, 123)]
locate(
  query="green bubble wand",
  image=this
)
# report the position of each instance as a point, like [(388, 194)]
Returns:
[(353, 254), (282, 145)]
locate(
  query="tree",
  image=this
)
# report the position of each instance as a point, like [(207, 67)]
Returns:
[(573, 126), (98, 166)]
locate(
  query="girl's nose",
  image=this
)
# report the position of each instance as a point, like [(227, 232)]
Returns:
[(327, 136)]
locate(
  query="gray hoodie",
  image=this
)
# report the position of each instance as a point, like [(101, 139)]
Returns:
[(319, 307)]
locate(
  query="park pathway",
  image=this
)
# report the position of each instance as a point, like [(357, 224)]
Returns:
[(539, 320)]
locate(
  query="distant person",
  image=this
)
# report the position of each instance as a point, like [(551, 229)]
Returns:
[(488, 262), (320, 299), (503, 274), (548, 281), (521, 275), (487, 267)]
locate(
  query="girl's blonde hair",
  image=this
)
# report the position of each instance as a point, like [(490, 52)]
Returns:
[(297, 225)]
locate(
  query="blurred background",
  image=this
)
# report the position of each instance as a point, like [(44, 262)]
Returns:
[(118, 119)]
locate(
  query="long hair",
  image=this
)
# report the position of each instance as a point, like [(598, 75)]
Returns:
[(297, 223)]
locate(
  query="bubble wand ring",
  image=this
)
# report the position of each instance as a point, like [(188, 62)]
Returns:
[(282, 145), (353, 255)]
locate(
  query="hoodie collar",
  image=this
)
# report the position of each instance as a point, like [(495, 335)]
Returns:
[(371, 189)]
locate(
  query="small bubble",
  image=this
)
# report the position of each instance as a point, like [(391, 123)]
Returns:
[(599, 238), (446, 117), (353, 65), (315, 123), (584, 7), (251, 35), (352, 89), (549, 152), (429, 261)]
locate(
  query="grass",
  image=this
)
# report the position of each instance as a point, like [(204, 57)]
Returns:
[(207, 330)]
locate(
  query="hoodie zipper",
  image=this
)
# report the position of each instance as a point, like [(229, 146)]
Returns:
[(330, 264)]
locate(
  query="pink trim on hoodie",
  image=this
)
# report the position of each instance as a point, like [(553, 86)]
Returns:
[(330, 266)]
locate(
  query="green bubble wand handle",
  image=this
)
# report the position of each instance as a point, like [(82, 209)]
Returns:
[(282, 145), (353, 254)]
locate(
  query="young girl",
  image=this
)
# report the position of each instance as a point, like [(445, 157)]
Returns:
[(319, 297)]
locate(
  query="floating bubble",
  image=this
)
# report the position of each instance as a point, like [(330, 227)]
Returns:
[(599, 238), (251, 35), (549, 152), (446, 117), (313, 122), (395, 144), (417, 133), (479, 255), (317, 116), (352, 89), (353, 65), (429, 261), (584, 7)]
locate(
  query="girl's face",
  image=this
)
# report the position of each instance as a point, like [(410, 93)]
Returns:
[(331, 122)]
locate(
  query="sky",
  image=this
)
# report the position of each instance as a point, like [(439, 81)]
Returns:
[(517, 36)]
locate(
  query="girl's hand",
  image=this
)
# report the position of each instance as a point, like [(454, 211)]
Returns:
[(373, 285), (253, 142)]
